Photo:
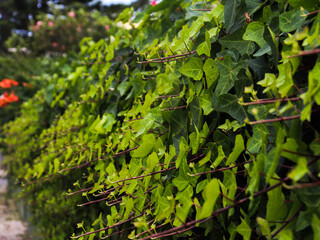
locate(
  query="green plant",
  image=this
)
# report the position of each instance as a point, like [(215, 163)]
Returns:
[(192, 120)]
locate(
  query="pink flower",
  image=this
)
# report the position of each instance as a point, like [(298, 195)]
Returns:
[(55, 44), (50, 24), (63, 47), (107, 27), (71, 14), (39, 23), (153, 3)]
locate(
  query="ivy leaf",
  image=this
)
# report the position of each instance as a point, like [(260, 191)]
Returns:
[(229, 103), (236, 41), (254, 32), (104, 125), (264, 226), (253, 6), (270, 38), (184, 206), (230, 12), (315, 224), (205, 47), (237, 150), (205, 159), (211, 72), (310, 196), (194, 141), (274, 155), (244, 230), (292, 20), (193, 68), (228, 73), (178, 127), (300, 170), (255, 142), (196, 114), (276, 207), (210, 195), (148, 141), (220, 157)]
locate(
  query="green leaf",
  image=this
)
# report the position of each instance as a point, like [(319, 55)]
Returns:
[(228, 73), (205, 47), (230, 12), (196, 26), (194, 138), (237, 150), (292, 20), (244, 230), (211, 72), (210, 195), (205, 159), (152, 161), (178, 127), (229, 103), (183, 208), (193, 68), (104, 125), (309, 5), (276, 206), (270, 38), (148, 141), (315, 227), (253, 6), (254, 32), (232, 229), (255, 142), (300, 170), (310, 196), (220, 157), (274, 155), (236, 41), (286, 234), (264, 226)]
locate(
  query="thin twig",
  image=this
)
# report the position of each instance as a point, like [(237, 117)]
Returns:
[(275, 120), (305, 53)]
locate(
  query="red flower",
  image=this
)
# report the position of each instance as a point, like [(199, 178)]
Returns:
[(6, 83), (6, 98), (153, 3)]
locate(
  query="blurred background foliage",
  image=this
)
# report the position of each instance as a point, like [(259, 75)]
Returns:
[(35, 36)]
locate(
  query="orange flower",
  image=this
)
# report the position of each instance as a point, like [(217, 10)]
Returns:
[(6, 83), (12, 97), (6, 98)]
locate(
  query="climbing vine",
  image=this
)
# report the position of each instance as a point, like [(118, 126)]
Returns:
[(192, 119)]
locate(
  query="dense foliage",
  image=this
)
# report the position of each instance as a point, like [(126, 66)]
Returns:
[(61, 31), (192, 120)]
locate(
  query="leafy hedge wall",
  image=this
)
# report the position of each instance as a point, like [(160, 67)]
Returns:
[(193, 120)]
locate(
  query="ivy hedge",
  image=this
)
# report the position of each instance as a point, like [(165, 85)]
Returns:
[(193, 119)]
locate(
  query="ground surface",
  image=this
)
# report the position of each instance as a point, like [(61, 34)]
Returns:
[(11, 228)]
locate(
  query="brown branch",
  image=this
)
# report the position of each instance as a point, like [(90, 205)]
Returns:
[(305, 53), (206, 10), (288, 221), (275, 120), (176, 57), (113, 226), (310, 13), (173, 108), (192, 224), (267, 101), (222, 169)]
